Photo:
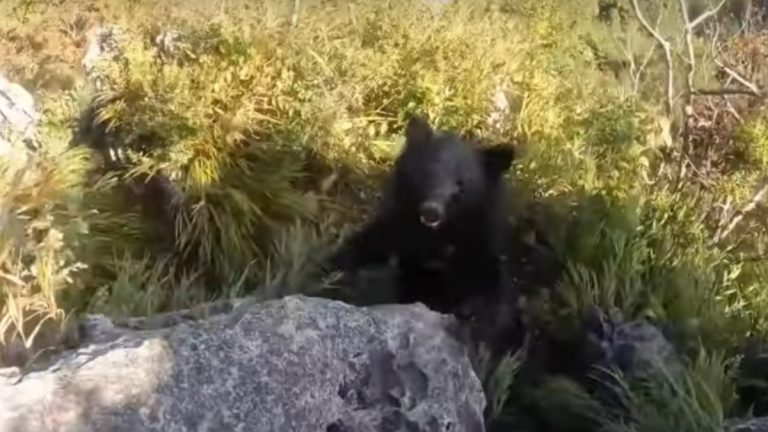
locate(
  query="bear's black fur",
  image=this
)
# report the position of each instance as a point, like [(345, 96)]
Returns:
[(443, 217)]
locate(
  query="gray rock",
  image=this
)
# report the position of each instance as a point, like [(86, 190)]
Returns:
[(170, 44), (637, 348), (296, 364), (759, 424), (500, 109), (105, 44), (18, 120)]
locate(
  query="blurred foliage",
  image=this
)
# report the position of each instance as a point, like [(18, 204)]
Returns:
[(696, 398)]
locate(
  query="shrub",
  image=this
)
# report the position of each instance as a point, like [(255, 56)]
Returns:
[(43, 223)]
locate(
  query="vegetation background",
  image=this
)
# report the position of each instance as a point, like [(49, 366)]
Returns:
[(643, 145)]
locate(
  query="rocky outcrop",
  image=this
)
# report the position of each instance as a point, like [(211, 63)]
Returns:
[(296, 364), (18, 121)]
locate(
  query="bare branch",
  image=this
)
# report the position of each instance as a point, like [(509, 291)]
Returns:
[(635, 70), (688, 31), (626, 48), (753, 89), (667, 48), (643, 65), (659, 38), (295, 13), (731, 108), (724, 92), (725, 213), (688, 34), (759, 196), (690, 73), (703, 17), (747, 19), (743, 81)]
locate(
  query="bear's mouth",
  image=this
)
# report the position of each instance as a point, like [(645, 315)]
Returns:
[(431, 223), (431, 214)]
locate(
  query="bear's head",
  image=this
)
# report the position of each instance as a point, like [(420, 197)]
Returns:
[(441, 175)]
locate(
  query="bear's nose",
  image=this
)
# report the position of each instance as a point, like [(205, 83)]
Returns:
[(431, 214)]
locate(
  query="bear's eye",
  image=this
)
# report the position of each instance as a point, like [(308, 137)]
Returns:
[(459, 186)]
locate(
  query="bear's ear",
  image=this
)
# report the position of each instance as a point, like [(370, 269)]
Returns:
[(417, 131), (497, 159)]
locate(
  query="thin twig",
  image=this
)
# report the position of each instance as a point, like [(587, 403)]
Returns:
[(729, 103), (688, 32), (690, 72), (688, 29), (703, 17), (635, 71), (724, 92), (643, 65), (295, 13), (667, 48)]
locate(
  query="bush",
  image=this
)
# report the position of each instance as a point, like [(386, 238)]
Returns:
[(248, 123), (43, 222)]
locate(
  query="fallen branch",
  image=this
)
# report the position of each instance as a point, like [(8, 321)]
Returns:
[(753, 89), (740, 214), (724, 92)]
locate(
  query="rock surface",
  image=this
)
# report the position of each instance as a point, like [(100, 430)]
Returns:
[(753, 373), (18, 120), (637, 348), (104, 44), (759, 424), (296, 364)]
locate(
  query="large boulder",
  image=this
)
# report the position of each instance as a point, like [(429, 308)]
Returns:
[(296, 364)]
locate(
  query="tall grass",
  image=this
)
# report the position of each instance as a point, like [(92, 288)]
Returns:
[(249, 123), (42, 223), (697, 397)]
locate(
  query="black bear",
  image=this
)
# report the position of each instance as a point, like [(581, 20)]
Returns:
[(443, 218)]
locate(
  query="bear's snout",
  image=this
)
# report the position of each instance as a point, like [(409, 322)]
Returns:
[(431, 214)]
